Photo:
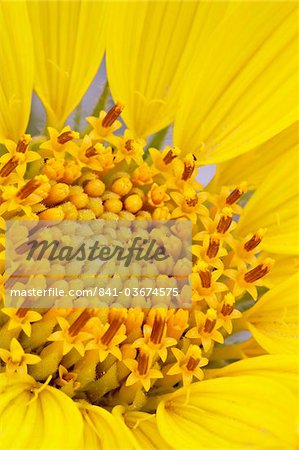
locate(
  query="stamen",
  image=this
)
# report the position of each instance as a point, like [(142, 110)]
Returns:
[(91, 151), (80, 322), (192, 364), (206, 278), (115, 325), (192, 201), (157, 330), (169, 157), (9, 167), (236, 194), (23, 144), (224, 222), (259, 271), (21, 312), (143, 362), (29, 187), (210, 321), (254, 241), (112, 115), (213, 248), (65, 137), (189, 166), (129, 145), (227, 309)]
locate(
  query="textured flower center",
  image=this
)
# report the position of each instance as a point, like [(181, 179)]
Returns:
[(128, 354)]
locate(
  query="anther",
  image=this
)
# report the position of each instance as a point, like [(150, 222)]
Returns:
[(192, 364), (65, 137), (143, 363), (189, 166), (254, 241), (192, 201), (23, 144), (29, 187), (129, 145), (206, 278), (210, 321), (235, 195), (112, 115), (9, 167), (157, 330), (224, 222), (115, 325), (259, 271), (213, 247), (80, 322), (169, 157), (90, 152)]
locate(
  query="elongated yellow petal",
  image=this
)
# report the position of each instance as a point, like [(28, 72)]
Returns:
[(144, 428), (284, 267), (254, 165), (282, 368), (16, 74), (243, 87), (229, 412), (149, 50), (104, 431), (35, 416), (69, 44), (274, 206), (274, 319)]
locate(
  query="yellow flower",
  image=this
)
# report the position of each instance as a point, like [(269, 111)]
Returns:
[(222, 76)]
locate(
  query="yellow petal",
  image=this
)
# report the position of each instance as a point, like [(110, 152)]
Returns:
[(274, 206), (273, 320), (230, 412), (69, 44), (144, 428), (284, 267), (149, 50), (281, 368), (40, 415), (254, 165), (104, 431), (242, 88), (16, 75)]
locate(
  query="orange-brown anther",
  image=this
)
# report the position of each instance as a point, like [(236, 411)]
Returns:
[(255, 274), (80, 322), (22, 145), (234, 196), (91, 151), (192, 364), (206, 278), (143, 362), (209, 325), (252, 243), (21, 312), (65, 137), (192, 201), (115, 325), (112, 115), (213, 247), (8, 167), (29, 187), (129, 145), (188, 171), (224, 224), (169, 157), (226, 309), (157, 330)]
